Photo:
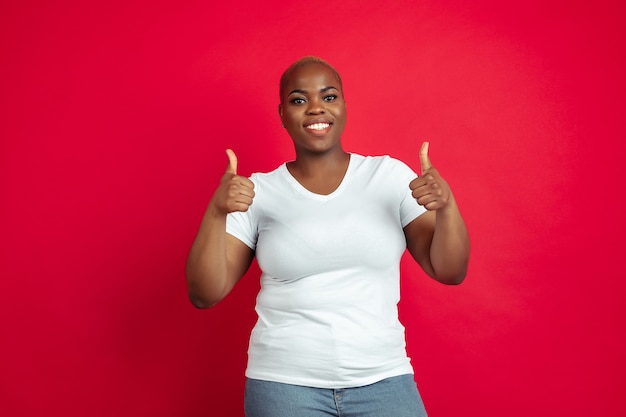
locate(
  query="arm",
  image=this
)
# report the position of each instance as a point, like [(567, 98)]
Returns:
[(438, 239), (218, 260)]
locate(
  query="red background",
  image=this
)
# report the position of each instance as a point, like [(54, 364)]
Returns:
[(113, 124)]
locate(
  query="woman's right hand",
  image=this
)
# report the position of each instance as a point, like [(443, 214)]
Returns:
[(235, 193)]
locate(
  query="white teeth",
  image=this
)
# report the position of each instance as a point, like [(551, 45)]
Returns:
[(318, 126)]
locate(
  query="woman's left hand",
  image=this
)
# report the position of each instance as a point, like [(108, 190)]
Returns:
[(430, 189)]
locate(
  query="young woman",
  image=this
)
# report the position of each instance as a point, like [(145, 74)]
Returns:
[(328, 231)]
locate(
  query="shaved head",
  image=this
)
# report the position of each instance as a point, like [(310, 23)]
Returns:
[(307, 60)]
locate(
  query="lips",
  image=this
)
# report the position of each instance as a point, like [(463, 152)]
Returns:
[(318, 126)]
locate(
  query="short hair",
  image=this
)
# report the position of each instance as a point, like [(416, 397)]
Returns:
[(307, 60)]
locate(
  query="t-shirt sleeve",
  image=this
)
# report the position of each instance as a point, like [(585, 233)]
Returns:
[(243, 225), (239, 225), (409, 209)]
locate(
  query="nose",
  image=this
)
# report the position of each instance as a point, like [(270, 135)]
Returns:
[(316, 106)]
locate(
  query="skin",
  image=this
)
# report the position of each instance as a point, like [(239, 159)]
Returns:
[(314, 95), (437, 240), (218, 260)]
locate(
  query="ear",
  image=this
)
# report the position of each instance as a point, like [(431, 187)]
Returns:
[(280, 110)]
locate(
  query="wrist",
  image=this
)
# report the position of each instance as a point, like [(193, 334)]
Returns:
[(214, 211)]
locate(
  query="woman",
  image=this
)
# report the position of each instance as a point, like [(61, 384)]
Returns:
[(328, 231)]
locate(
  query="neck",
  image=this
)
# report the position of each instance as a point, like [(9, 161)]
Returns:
[(322, 174), (314, 165)]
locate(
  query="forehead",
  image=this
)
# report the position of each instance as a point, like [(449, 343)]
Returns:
[(312, 75)]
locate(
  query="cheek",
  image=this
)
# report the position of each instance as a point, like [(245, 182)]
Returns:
[(290, 118), (340, 111), (341, 116)]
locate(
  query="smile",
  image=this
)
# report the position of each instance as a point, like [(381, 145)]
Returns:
[(318, 126)]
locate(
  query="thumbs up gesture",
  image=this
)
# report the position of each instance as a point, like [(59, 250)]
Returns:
[(235, 193), (430, 189)]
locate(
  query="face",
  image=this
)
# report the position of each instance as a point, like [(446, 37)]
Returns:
[(313, 110)]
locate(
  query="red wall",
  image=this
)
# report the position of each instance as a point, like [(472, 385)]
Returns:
[(113, 124)]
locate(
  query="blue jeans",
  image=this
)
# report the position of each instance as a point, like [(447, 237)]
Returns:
[(391, 397)]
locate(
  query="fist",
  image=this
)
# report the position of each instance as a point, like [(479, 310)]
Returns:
[(430, 189), (235, 193)]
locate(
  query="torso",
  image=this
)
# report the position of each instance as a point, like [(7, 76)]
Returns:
[(329, 258)]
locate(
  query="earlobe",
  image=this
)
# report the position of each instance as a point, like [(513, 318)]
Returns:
[(280, 113)]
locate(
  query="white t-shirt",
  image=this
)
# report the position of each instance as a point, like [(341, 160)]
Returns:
[(330, 283)]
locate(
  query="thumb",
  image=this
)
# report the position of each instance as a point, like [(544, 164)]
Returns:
[(424, 159), (232, 162)]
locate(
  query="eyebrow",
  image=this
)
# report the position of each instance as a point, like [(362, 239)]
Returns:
[(322, 90)]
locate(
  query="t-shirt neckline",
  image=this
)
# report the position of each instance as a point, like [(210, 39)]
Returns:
[(321, 197)]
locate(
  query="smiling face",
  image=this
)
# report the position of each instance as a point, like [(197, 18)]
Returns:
[(312, 109)]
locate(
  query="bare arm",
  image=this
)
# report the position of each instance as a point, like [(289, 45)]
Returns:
[(218, 260), (437, 240)]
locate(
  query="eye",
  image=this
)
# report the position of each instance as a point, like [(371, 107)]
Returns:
[(330, 97), (298, 100)]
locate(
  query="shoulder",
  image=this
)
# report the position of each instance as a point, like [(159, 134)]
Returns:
[(384, 163), (268, 177)]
